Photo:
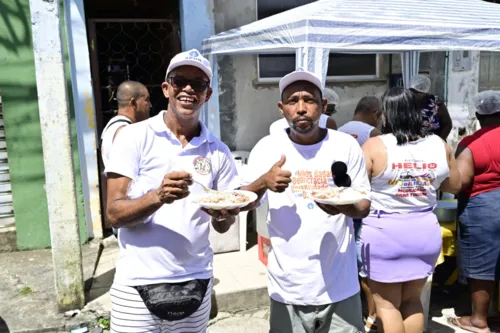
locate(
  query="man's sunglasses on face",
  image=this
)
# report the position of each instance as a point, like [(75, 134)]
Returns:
[(179, 82)]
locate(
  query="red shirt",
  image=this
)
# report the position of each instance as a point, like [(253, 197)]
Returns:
[(485, 148)]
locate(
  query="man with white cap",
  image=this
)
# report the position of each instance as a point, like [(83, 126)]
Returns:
[(312, 262), (325, 121), (333, 100), (163, 276)]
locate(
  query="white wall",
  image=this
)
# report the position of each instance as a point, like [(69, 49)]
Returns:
[(462, 87), (256, 104)]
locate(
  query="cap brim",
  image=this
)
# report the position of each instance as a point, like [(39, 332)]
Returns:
[(300, 76), (190, 62)]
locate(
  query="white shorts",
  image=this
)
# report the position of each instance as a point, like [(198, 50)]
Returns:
[(130, 315)]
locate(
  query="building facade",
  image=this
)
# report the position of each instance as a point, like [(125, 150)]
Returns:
[(22, 195), (108, 42)]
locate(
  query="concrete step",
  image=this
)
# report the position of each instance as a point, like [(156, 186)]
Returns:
[(240, 281)]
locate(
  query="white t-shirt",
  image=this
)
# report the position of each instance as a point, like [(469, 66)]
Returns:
[(359, 130), (171, 245), (412, 177), (312, 260), (109, 133), (281, 124)]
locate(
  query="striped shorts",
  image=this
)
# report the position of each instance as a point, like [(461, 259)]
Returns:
[(130, 315)]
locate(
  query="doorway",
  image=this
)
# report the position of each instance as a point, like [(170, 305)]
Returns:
[(129, 40)]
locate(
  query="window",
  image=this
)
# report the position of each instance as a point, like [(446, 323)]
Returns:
[(424, 66), (340, 66)]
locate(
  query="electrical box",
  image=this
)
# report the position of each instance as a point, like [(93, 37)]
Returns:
[(461, 61)]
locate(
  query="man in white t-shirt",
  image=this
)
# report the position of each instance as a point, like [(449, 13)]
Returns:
[(133, 106), (325, 120), (365, 120), (164, 275), (312, 262)]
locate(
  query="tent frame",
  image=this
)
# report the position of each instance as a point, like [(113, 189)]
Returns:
[(314, 30), (313, 59)]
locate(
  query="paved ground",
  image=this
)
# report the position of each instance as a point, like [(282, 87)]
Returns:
[(27, 291), (257, 322), (26, 282), (247, 322)]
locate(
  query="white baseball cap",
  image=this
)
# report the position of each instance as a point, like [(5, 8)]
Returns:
[(421, 83), (190, 58), (331, 96), (300, 74)]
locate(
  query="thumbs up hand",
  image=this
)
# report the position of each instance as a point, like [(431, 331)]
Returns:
[(277, 179), (281, 162)]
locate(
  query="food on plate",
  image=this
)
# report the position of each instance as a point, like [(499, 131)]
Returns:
[(335, 193), (221, 197), (328, 193)]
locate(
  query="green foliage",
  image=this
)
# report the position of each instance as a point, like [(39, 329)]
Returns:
[(25, 291), (103, 323)]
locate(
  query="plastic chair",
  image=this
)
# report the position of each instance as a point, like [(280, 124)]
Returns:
[(242, 157)]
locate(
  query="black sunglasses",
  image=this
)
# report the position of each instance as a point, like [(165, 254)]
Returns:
[(180, 82)]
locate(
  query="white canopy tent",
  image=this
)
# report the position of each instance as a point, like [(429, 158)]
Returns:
[(364, 26)]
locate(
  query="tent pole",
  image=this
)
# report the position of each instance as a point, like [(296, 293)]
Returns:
[(313, 59), (211, 116), (410, 61)]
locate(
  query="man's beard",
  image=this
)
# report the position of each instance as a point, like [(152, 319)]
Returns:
[(302, 130)]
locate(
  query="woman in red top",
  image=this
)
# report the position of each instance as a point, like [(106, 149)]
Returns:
[(478, 160)]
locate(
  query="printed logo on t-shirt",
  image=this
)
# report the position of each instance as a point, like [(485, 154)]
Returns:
[(305, 181), (414, 179), (354, 135), (202, 165)]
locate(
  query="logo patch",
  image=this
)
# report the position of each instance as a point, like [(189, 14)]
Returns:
[(202, 165)]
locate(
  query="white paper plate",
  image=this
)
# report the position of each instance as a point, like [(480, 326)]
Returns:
[(348, 196), (219, 206)]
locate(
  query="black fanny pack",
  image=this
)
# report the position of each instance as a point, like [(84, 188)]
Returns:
[(174, 301)]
